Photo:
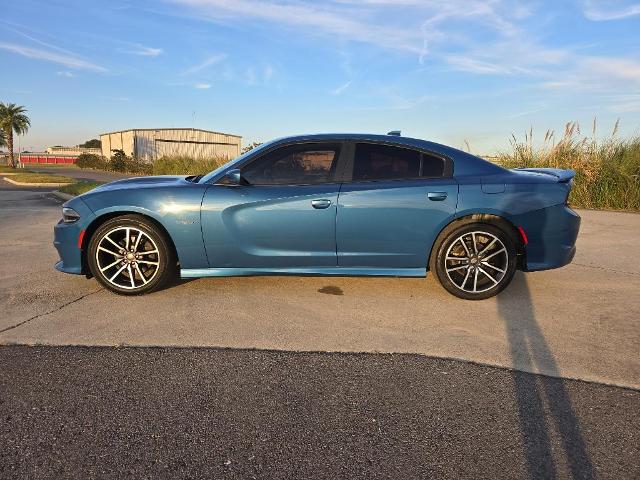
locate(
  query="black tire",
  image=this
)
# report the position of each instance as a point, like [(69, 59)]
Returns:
[(457, 276), (153, 247)]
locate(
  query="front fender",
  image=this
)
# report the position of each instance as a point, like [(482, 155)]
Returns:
[(177, 211)]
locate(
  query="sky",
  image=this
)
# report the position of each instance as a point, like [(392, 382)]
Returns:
[(459, 72)]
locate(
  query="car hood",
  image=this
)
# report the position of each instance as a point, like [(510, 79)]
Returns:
[(142, 182)]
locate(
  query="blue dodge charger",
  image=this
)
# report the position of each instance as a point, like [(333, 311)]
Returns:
[(331, 204)]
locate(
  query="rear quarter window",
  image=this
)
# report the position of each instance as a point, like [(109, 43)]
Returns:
[(387, 162)]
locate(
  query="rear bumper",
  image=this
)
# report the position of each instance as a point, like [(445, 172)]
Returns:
[(552, 234)]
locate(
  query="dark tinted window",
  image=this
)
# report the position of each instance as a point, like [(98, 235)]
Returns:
[(294, 166), (431, 166), (384, 162)]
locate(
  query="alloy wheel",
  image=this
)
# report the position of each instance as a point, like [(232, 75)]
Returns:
[(476, 262), (127, 257)]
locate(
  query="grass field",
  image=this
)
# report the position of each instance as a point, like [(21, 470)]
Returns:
[(5, 169), (50, 165), (41, 178), (79, 188)]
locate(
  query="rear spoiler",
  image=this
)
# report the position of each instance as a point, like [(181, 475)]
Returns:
[(563, 176)]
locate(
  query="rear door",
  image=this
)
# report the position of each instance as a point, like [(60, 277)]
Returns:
[(392, 206), (284, 218)]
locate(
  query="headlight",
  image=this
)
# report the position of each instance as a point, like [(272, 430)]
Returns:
[(69, 215)]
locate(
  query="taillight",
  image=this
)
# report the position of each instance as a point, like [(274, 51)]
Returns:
[(525, 240)]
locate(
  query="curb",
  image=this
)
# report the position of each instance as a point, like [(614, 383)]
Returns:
[(62, 195), (26, 184), (8, 173)]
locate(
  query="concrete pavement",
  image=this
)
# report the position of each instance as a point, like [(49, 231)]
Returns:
[(582, 321)]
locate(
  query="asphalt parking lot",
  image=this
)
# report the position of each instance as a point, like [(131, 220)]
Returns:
[(580, 322)]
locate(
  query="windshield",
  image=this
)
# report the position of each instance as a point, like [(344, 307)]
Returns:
[(233, 162)]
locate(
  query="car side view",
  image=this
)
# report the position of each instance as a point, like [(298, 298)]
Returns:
[(327, 204)]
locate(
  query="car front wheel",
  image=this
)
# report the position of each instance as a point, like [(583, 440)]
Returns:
[(130, 255), (475, 261)]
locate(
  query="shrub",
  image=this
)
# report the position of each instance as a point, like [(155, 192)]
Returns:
[(250, 147), (120, 162), (89, 160), (137, 166), (182, 165)]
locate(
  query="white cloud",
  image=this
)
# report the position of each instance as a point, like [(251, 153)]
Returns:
[(598, 74), (144, 51), (619, 68), (417, 27), (202, 86), (211, 60), (624, 103), (526, 113), (65, 74), (474, 65), (602, 11), (66, 59), (313, 18), (338, 90)]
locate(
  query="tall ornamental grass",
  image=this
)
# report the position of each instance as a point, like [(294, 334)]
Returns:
[(182, 165), (607, 170)]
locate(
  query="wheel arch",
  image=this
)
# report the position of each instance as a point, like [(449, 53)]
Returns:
[(101, 219), (497, 220)]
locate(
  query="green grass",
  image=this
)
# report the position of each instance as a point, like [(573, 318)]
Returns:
[(41, 178), (607, 170), (6, 169), (79, 188), (52, 165)]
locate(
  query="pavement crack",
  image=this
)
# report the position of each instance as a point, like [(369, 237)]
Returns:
[(612, 270), (75, 300)]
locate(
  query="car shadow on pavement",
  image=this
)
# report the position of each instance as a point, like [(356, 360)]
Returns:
[(541, 401)]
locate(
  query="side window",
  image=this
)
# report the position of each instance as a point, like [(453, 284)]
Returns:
[(385, 162), (432, 166), (296, 165)]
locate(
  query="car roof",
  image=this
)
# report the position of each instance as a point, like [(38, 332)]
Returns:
[(370, 137)]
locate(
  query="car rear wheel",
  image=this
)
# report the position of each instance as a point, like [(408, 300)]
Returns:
[(475, 261), (130, 255)]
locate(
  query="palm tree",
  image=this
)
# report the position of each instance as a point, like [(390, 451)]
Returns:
[(13, 118)]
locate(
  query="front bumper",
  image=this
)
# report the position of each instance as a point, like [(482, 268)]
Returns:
[(552, 234), (66, 235), (65, 239)]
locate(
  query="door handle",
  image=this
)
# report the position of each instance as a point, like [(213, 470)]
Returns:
[(437, 196), (322, 203)]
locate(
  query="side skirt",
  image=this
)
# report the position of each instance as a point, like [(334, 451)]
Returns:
[(320, 272)]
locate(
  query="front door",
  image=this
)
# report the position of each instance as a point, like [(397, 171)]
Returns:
[(393, 208), (284, 218)]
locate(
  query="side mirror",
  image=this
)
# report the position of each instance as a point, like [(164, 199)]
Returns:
[(232, 177)]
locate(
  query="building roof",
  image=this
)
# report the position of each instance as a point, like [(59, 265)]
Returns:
[(159, 129)]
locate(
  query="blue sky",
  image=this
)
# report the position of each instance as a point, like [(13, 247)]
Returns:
[(447, 71)]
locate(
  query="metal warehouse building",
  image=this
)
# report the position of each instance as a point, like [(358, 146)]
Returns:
[(153, 143)]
